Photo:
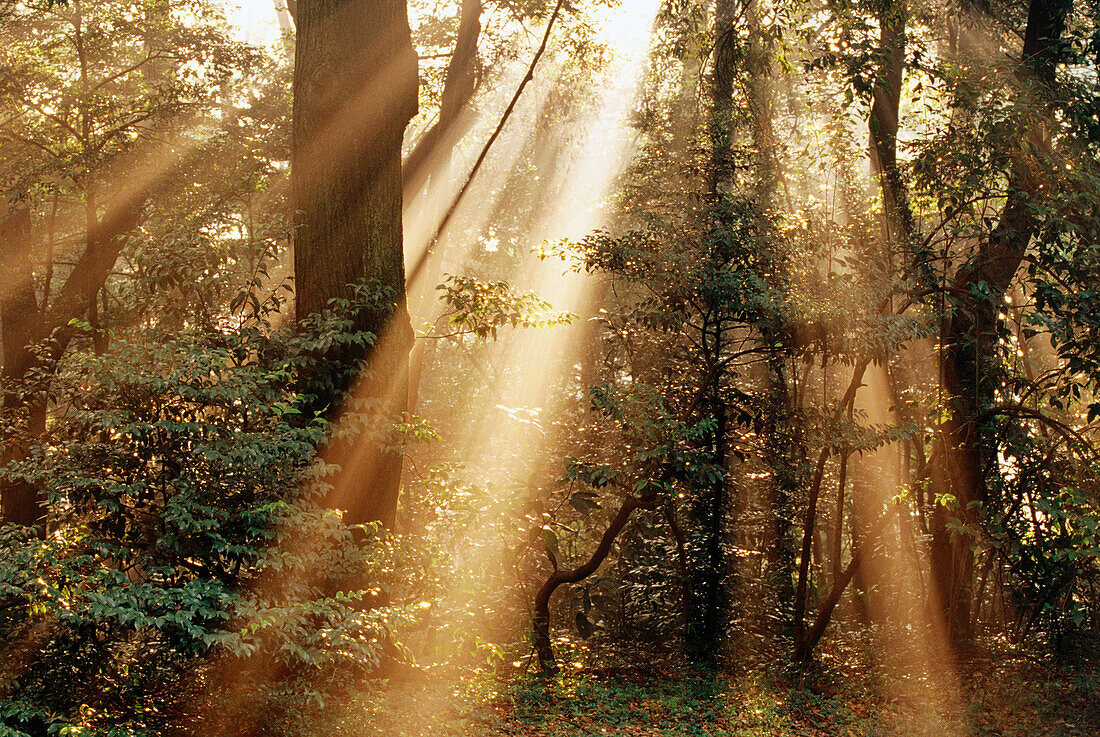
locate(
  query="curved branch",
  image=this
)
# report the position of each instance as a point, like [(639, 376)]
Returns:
[(543, 646)]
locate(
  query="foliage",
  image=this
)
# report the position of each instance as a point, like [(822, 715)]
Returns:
[(182, 483), (801, 372), (481, 309)]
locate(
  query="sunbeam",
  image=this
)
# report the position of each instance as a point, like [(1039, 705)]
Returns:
[(408, 368)]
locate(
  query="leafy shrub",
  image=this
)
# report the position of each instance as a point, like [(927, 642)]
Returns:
[(186, 550)]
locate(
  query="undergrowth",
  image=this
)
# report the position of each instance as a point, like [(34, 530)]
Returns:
[(1001, 692)]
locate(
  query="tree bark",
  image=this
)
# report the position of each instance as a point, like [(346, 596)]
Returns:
[(705, 620), (971, 344), (23, 408), (354, 93)]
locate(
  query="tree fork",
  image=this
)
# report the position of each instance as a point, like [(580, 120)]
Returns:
[(805, 645), (458, 90), (811, 510), (418, 267)]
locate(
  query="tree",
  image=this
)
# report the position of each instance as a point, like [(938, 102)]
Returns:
[(979, 288), (100, 116), (354, 94), (459, 87)]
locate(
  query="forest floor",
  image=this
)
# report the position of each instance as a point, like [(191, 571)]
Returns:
[(998, 692)]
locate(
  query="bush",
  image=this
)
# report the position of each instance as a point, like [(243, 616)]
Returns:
[(186, 551)]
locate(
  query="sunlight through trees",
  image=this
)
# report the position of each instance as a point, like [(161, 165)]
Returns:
[(549, 367)]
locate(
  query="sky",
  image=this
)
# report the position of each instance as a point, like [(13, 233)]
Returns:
[(256, 20)]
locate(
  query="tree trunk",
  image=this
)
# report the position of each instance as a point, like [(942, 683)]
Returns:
[(883, 124), (783, 452), (354, 94), (705, 621), (970, 341), (543, 644), (726, 44), (432, 156), (458, 90), (714, 561), (23, 408), (837, 550), (801, 591)]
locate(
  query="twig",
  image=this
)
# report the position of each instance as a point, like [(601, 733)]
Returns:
[(449, 215)]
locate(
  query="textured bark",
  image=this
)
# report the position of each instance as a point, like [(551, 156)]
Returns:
[(762, 95), (354, 93), (19, 326), (726, 52), (970, 342)]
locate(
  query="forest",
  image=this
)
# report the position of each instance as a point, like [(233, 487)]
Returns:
[(549, 367)]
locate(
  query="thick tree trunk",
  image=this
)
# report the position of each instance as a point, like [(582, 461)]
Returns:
[(355, 91), (726, 42), (24, 410), (970, 340)]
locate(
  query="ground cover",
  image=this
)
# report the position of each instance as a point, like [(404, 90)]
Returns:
[(1002, 692)]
